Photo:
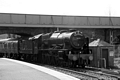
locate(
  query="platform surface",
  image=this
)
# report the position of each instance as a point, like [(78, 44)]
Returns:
[(17, 70)]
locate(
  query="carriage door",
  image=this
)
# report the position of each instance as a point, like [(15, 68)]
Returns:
[(104, 57)]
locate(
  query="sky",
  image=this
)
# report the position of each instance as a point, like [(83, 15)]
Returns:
[(62, 7)]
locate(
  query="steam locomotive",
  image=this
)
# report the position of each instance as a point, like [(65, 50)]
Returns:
[(69, 48)]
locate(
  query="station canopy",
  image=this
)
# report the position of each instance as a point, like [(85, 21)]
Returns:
[(99, 42)]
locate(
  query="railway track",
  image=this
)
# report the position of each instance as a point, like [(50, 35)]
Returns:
[(105, 73), (85, 74), (100, 72), (80, 75)]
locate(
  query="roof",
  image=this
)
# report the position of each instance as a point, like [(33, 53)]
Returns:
[(99, 42)]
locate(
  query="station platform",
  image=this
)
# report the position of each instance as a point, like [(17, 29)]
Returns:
[(17, 70)]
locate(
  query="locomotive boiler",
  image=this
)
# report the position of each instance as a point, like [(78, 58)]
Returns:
[(66, 40)]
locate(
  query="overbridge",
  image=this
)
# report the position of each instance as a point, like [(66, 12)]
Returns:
[(29, 20), (34, 24)]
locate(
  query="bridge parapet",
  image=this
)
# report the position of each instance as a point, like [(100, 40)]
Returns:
[(56, 20)]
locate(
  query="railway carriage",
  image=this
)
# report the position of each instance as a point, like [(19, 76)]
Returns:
[(3, 47), (11, 48), (14, 49)]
